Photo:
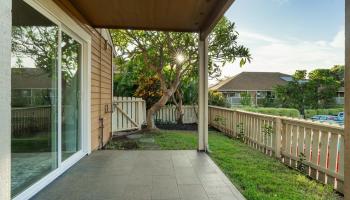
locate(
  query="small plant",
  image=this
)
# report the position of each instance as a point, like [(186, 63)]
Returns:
[(267, 131), (301, 166), (220, 120), (240, 131)]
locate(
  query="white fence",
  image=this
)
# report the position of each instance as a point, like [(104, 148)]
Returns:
[(318, 147), (168, 114), (129, 113)]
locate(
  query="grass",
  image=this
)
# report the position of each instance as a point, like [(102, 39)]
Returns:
[(38, 143), (173, 140), (256, 175)]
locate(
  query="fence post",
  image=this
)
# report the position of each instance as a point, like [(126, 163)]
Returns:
[(278, 129), (140, 113), (234, 121)]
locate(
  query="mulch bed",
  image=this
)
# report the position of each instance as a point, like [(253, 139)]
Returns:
[(182, 127)]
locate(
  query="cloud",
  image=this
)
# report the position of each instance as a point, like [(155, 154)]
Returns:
[(272, 54), (246, 36), (339, 39)]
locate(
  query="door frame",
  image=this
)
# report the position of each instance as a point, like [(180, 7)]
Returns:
[(53, 12), (74, 36)]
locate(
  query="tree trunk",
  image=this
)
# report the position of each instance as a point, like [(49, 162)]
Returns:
[(179, 110), (155, 108)]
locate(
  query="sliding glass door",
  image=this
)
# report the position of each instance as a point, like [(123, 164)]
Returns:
[(71, 78), (46, 73)]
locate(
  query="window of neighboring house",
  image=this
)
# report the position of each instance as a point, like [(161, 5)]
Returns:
[(258, 94), (235, 94), (261, 94)]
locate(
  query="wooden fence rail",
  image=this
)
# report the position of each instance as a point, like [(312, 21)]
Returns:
[(167, 114), (28, 119), (313, 148)]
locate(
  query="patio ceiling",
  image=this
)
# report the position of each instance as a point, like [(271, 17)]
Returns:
[(161, 15)]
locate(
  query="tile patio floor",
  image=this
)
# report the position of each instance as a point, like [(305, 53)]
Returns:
[(142, 175)]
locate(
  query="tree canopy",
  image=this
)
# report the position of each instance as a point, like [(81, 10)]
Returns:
[(172, 57), (318, 91)]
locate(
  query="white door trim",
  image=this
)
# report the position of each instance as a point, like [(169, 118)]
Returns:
[(5, 99)]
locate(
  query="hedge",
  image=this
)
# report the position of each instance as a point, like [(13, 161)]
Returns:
[(287, 112), (290, 112), (331, 111)]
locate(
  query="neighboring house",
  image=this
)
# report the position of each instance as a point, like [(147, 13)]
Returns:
[(257, 84), (339, 99), (30, 87)]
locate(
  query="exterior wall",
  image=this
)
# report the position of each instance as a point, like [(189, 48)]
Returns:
[(237, 99), (101, 89), (101, 78), (253, 97), (5, 99)]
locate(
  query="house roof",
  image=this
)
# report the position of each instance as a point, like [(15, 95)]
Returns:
[(252, 81), (161, 15), (33, 78)]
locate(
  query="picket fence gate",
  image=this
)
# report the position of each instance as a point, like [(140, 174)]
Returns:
[(129, 113)]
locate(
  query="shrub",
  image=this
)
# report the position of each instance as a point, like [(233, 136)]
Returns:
[(267, 101), (216, 98), (287, 112), (331, 111), (246, 99)]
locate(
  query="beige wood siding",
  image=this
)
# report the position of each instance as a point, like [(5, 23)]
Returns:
[(101, 78), (101, 88)]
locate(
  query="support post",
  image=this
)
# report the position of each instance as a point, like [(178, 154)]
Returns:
[(347, 103), (203, 95), (5, 99), (277, 145)]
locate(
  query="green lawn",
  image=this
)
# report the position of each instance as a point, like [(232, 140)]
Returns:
[(174, 140), (256, 175), (33, 144)]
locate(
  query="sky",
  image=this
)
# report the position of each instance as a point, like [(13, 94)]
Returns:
[(287, 35)]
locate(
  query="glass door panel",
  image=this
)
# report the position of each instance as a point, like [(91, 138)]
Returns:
[(34, 93), (71, 111)]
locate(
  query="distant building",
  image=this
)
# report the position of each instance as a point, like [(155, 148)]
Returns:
[(257, 84), (31, 86), (339, 99)]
